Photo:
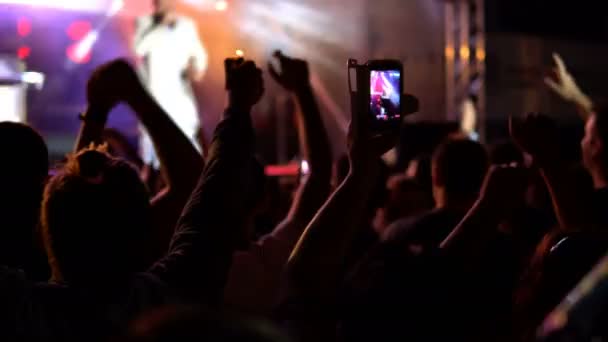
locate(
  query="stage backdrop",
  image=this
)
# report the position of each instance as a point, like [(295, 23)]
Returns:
[(325, 32)]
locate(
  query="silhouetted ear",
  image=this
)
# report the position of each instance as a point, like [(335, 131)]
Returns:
[(410, 104)]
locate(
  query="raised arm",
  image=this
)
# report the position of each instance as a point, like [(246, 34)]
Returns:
[(314, 270), (564, 85), (314, 144), (214, 218), (503, 190), (180, 162)]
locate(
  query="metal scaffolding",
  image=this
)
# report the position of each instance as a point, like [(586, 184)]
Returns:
[(465, 55)]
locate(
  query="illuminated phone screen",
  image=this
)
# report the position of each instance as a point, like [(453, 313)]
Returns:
[(385, 94)]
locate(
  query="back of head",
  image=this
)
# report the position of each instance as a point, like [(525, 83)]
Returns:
[(23, 173), (95, 216), (25, 160), (459, 167), (407, 198)]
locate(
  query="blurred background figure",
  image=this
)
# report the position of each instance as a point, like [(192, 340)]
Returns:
[(172, 56)]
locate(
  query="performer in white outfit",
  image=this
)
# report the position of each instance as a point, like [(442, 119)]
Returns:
[(172, 56)]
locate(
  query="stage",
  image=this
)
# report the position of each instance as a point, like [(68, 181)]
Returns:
[(65, 40)]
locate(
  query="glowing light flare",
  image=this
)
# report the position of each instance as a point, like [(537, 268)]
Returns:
[(449, 52), (80, 52), (465, 52), (116, 6), (24, 52), (304, 167), (33, 78), (79, 30), (24, 27), (131, 8), (480, 55), (221, 5), (76, 58), (291, 169), (239, 53), (86, 45)]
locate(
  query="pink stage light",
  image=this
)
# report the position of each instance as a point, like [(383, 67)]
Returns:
[(131, 7), (24, 27), (24, 52), (78, 29), (77, 55)]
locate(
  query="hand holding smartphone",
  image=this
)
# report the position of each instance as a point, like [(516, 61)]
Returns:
[(381, 83)]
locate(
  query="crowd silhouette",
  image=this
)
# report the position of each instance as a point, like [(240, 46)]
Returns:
[(474, 243)]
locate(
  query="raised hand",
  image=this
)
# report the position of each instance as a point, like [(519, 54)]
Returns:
[(536, 134), (244, 83), (294, 74), (112, 83), (564, 85)]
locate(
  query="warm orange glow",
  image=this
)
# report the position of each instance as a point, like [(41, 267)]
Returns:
[(465, 52), (480, 55), (449, 52), (221, 5), (239, 53)]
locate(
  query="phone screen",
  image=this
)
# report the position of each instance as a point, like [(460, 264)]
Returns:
[(385, 95)]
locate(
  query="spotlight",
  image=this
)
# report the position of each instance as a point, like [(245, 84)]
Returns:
[(221, 5), (239, 53)]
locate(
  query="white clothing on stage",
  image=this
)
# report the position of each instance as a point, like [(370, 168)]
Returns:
[(166, 53)]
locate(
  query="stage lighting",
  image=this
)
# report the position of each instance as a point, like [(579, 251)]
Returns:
[(85, 45), (449, 52), (239, 53), (24, 27), (24, 52), (465, 52), (221, 5), (33, 78), (304, 167), (78, 53), (117, 5), (78, 30)]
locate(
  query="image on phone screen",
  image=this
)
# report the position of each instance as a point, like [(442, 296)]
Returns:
[(385, 94)]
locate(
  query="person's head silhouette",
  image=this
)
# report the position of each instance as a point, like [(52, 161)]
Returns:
[(458, 169), (95, 218), (22, 176)]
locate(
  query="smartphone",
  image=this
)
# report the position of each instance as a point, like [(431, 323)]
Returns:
[(385, 89)]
